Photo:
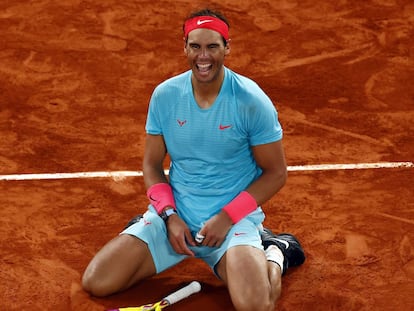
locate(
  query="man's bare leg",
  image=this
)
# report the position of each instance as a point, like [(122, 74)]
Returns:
[(121, 263)]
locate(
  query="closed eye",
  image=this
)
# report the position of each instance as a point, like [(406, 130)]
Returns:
[(213, 46), (194, 46)]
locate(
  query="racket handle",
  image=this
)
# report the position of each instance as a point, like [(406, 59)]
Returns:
[(192, 288)]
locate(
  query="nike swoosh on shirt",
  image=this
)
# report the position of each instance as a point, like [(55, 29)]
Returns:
[(200, 22), (223, 127), (286, 243)]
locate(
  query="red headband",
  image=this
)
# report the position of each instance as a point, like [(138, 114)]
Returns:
[(208, 22)]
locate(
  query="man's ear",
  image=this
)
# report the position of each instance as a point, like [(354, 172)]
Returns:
[(227, 48), (185, 46)]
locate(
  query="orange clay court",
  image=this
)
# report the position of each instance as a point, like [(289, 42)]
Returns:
[(75, 81)]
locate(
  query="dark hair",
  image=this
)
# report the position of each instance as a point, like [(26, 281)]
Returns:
[(209, 12)]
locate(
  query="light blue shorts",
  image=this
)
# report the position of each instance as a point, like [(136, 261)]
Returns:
[(152, 230)]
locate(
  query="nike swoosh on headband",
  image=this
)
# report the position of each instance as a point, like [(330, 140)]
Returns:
[(200, 22)]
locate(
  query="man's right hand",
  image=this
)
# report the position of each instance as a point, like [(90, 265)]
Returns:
[(179, 235)]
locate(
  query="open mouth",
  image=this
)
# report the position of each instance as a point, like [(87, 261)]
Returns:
[(204, 68)]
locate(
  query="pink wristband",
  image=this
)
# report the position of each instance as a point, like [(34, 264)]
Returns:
[(240, 206), (161, 196)]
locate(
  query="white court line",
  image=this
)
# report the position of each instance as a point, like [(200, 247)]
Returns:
[(119, 175)]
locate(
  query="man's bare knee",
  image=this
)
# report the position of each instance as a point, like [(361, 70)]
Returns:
[(121, 263), (93, 285), (261, 302)]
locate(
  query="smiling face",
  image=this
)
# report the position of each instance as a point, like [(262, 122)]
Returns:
[(205, 53)]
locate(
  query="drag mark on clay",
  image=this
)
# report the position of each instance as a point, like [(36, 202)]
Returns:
[(321, 57), (408, 221)]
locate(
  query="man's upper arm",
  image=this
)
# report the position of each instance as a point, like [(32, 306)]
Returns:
[(270, 157), (154, 155)]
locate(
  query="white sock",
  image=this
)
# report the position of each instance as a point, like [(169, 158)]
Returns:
[(274, 254)]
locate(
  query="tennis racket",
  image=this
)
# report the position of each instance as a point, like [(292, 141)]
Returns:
[(192, 288)]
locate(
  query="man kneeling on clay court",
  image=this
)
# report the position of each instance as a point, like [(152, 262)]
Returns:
[(222, 134)]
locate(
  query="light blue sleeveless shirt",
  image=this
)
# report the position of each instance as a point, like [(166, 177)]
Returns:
[(211, 158)]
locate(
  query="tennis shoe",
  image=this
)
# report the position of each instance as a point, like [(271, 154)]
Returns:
[(288, 244), (134, 220)]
